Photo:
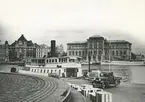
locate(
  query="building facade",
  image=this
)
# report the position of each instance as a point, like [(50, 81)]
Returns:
[(4, 52), (97, 49), (42, 51), (22, 49), (120, 50), (77, 49)]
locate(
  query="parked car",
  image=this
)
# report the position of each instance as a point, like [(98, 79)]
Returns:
[(106, 79)]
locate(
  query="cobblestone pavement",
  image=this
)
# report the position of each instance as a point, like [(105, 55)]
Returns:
[(22, 88)]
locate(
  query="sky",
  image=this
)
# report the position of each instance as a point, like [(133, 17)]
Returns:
[(73, 20)]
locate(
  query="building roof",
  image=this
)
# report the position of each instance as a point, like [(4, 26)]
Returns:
[(95, 36), (42, 46), (14, 43), (29, 43), (22, 38), (118, 41), (78, 42), (2, 46)]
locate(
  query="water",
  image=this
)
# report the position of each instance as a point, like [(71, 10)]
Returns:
[(130, 74), (7, 68)]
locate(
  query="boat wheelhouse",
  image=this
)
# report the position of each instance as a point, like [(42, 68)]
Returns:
[(63, 66)]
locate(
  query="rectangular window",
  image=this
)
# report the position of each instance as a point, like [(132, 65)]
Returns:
[(120, 52), (69, 52), (124, 52), (113, 53), (116, 53)]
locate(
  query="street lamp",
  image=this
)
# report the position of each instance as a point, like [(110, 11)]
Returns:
[(89, 58), (109, 55)]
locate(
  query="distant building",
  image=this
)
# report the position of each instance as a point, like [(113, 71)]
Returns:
[(78, 48), (97, 48), (42, 51), (22, 49), (140, 57), (59, 50), (4, 52)]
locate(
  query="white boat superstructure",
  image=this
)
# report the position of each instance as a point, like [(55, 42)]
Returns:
[(63, 66)]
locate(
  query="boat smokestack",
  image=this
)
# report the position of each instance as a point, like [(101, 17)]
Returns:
[(53, 48)]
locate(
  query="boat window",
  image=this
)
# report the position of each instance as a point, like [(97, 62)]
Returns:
[(32, 70), (47, 71), (41, 71), (52, 60), (44, 71), (47, 61), (55, 60), (51, 71)]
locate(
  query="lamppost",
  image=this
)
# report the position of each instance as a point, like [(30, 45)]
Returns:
[(89, 58), (109, 55)]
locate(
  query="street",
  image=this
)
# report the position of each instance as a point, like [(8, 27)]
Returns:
[(125, 92)]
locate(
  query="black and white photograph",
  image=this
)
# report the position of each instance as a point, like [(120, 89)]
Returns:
[(72, 50)]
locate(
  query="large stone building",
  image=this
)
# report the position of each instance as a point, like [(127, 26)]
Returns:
[(22, 49), (97, 49), (4, 52)]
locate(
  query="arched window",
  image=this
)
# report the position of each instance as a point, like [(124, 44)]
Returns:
[(72, 52), (83, 52), (80, 53), (76, 52)]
